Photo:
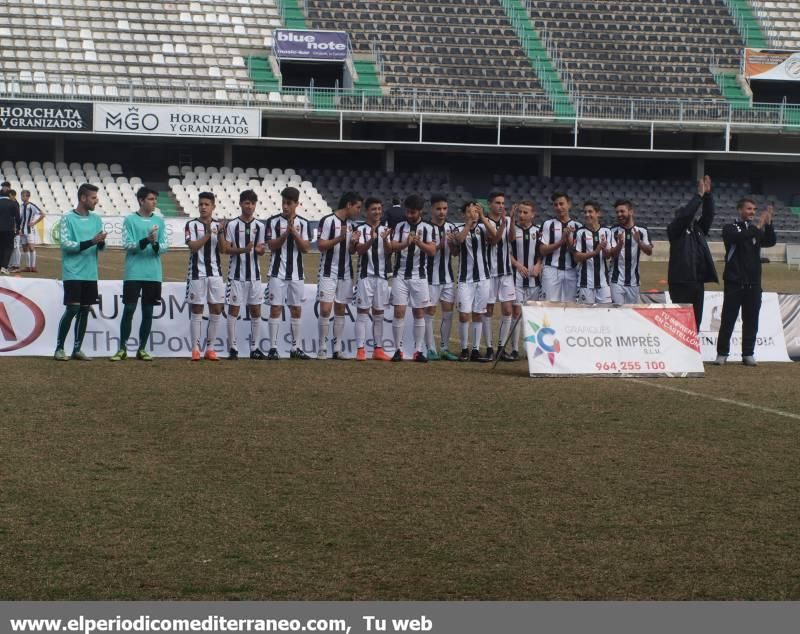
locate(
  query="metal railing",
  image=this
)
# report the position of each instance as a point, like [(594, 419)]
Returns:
[(401, 103)]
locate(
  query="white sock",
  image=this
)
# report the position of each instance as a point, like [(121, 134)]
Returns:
[(195, 328), (444, 329), (324, 328), (515, 339), (213, 322), (232, 345), (486, 322), (477, 326), (338, 331), (255, 333), (274, 328), (32, 256), (430, 344), (419, 334), (397, 333), (30, 259), (294, 325), (361, 329), (377, 330), (463, 334), (505, 329)]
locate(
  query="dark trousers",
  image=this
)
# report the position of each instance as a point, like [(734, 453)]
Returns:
[(6, 248), (689, 294), (748, 299)]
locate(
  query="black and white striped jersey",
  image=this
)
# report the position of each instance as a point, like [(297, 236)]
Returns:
[(206, 261), (440, 267), (500, 253), (411, 263), (625, 269), (474, 256), (550, 233), (377, 261), (244, 267), (525, 251), (287, 262), (593, 273), (335, 262), (29, 213)]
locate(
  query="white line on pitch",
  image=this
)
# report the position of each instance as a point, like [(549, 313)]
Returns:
[(719, 399)]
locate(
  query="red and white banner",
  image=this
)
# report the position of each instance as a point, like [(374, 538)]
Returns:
[(30, 310), (646, 340), (771, 65)]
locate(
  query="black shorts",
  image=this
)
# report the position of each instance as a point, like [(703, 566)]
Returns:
[(80, 292), (150, 292)]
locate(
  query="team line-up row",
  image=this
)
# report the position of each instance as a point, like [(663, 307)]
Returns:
[(503, 259)]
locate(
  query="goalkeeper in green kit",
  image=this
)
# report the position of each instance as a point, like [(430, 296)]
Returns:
[(145, 240)]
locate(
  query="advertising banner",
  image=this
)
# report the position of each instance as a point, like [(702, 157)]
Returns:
[(770, 343), (30, 310), (177, 120), (60, 116), (772, 65), (317, 46), (645, 340)]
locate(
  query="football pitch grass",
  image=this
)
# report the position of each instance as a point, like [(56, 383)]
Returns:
[(339, 480)]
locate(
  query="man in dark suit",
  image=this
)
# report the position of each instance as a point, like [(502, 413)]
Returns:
[(9, 226)]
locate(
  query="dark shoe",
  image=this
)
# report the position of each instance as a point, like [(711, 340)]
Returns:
[(299, 354), (464, 356), (233, 354), (273, 355), (257, 355), (398, 355), (504, 356), (515, 355), (420, 357), (489, 353), (337, 356), (475, 355)]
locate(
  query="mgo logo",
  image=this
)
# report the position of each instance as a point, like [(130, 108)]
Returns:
[(21, 321)]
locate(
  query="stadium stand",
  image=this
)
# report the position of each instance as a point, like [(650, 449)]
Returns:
[(780, 21), (97, 47), (650, 49), (54, 186), (226, 184), (438, 45)]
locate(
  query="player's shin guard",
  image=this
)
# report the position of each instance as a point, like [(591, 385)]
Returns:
[(419, 334), (32, 259), (505, 329), (444, 330), (146, 326), (294, 326), (361, 329), (231, 327), (516, 336), (196, 328), (255, 333), (397, 333), (463, 334), (274, 329), (81, 324), (127, 324), (211, 335), (377, 330), (338, 331), (430, 343), (324, 328), (477, 327), (70, 313), (486, 323)]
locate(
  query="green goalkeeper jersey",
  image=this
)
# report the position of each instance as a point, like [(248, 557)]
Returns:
[(78, 254), (143, 258)]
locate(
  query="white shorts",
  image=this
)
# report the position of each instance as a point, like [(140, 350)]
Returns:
[(530, 294), (331, 289), (250, 293), (206, 290), (29, 239), (621, 294), (290, 292), (594, 295), (412, 293), (442, 293), (502, 289), (372, 292), (558, 285), (473, 296)]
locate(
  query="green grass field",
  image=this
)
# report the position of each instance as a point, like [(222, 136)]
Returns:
[(395, 481)]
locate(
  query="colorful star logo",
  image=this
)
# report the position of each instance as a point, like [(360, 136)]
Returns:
[(544, 337)]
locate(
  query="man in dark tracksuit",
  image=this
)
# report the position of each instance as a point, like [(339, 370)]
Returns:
[(10, 223), (743, 241), (690, 261)]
